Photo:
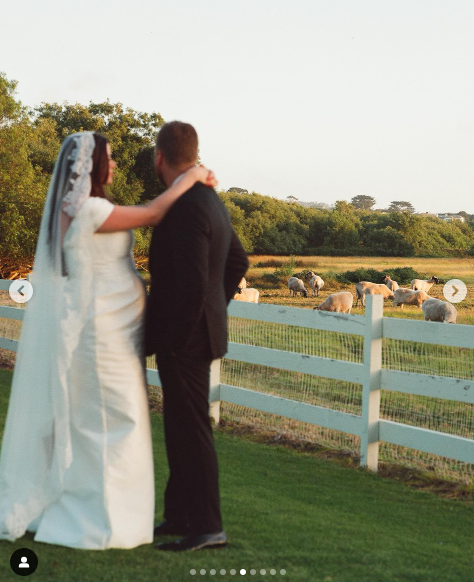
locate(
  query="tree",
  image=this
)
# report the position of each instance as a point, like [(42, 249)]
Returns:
[(22, 189), (401, 206), (344, 207), (132, 139), (363, 202), (469, 218), (388, 242), (44, 145), (236, 190), (292, 198), (237, 217), (131, 135), (10, 109)]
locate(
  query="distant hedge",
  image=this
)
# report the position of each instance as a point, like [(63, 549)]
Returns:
[(268, 226), (402, 275)]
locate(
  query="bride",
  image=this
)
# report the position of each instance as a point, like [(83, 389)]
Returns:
[(76, 461)]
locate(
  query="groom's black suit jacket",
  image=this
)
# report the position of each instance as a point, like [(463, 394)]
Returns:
[(196, 262)]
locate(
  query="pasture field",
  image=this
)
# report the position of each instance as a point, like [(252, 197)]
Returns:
[(444, 269)]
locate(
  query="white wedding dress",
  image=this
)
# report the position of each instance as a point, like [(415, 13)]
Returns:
[(107, 497)]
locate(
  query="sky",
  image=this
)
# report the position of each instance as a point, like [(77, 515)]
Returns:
[(321, 100)]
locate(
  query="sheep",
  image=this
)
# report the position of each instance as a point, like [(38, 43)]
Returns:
[(367, 288), (404, 296), (315, 282), (248, 294), (242, 284), (338, 302), (424, 284), (437, 310), (296, 285), (392, 285)]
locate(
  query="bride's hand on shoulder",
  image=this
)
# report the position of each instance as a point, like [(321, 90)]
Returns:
[(204, 175)]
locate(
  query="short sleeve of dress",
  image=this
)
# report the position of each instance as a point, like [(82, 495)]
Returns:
[(98, 209)]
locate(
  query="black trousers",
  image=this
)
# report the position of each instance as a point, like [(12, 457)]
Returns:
[(192, 492)]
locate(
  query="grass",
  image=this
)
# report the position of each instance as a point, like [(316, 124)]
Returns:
[(444, 268), (288, 510)]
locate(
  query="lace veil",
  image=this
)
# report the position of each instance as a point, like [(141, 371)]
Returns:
[(36, 446)]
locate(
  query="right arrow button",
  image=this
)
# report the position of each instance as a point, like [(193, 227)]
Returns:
[(455, 290)]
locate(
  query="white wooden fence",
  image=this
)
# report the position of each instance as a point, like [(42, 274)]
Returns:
[(373, 327)]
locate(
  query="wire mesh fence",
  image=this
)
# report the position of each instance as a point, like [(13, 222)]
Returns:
[(442, 415), (432, 413), (448, 416)]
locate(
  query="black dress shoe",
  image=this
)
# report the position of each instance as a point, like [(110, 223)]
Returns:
[(193, 543), (165, 528)]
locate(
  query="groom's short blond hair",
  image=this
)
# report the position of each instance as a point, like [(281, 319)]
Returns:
[(178, 142)]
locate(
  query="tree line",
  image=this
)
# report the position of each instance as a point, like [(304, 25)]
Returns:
[(275, 227), (30, 140)]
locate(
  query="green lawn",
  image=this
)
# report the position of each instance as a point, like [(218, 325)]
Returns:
[(287, 510)]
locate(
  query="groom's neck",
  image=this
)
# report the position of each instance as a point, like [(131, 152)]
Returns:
[(171, 173)]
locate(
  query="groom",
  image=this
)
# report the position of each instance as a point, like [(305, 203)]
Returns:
[(196, 262)]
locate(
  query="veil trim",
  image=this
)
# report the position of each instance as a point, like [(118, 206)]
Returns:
[(80, 182)]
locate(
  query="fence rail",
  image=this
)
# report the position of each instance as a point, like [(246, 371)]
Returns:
[(373, 327)]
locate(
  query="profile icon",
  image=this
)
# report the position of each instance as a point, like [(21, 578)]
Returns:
[(24, 562)]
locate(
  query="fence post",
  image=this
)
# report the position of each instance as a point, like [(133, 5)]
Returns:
[(214, 391), (369, 445)]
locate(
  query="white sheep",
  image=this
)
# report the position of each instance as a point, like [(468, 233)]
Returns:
[(296, 286), (315, 282), (367, 288), (403, 296), (424, 284), (338, 302), (437, 310), (392, 285), (248, 294)]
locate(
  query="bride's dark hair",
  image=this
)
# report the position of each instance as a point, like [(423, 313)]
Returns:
[(100, 167)]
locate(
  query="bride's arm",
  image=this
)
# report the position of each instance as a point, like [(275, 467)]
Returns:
[(126, 217)]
